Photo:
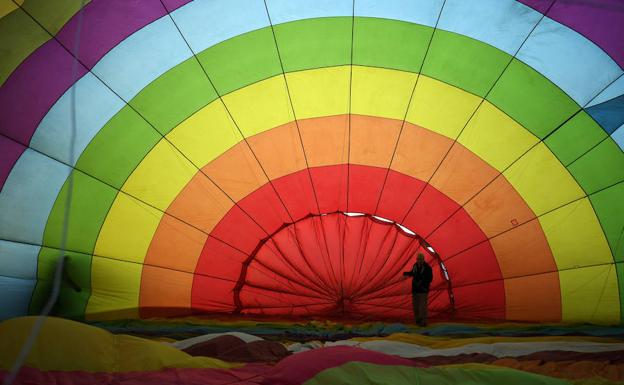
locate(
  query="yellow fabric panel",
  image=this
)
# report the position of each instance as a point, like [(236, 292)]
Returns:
[(160, 176), (8, 6), (114, 289), (127, 230), (260, 106), (319, 92), (542, 180), (66, 345), (590, 294), (441, 107), (575, 236), (206, 134), (495, 137), (381, 92)]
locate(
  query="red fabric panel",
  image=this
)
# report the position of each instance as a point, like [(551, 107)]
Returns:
[(365, 184), (266, 208), (397, 196), (238, 229), (250, 374), (330, 183), (339, 266), (297, 193), (217, 272), (299, 368)]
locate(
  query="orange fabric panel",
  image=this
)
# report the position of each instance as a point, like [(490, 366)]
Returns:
[(325, 139), (169, 266), (499, 207), (163, 289), (279, 150), (419, 152), (373, 140), (175, 245), (200, 203), (534, 297), (462, 174), (238, 161), (524, 243)]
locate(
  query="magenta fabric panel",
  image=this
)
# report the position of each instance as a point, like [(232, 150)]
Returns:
[(601, 21)]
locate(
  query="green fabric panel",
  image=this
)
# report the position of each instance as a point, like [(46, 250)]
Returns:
[(600, 167), (19, 37), (314, 43), (574, 138), (71, 303), (531, 99), (609, 207), (381, 43), (53, 14), (91, 200), (174, 96), (118, 148), (467, 63), (122, 143), (468, 374), (241, 60)]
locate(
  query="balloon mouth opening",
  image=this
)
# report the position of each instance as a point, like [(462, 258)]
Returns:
[(346, 283)]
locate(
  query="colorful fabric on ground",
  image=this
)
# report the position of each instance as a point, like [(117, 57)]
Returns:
[(498, 349), (71, 353), (72, 346), (181, 328), (233, 349), (287, 159)]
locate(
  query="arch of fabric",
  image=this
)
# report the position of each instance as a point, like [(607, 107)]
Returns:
[(193, 162)]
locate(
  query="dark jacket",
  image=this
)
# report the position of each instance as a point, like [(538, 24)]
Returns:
[(421, 278)]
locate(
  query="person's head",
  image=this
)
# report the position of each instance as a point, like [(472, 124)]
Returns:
[(420, 258)]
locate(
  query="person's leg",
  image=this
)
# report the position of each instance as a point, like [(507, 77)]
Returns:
[(415, 307), (422, 307)]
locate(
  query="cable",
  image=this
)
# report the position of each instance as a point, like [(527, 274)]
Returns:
[(60, 264)]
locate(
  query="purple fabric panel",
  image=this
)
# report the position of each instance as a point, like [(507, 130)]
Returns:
[(539, 5), (45, 75), (175, 4), (33, 88), (10, 152), (106, 23), (601, 21)]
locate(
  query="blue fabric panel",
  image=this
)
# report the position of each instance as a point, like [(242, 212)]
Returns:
[(283, 11), (15, 296), (19, 260), (205, 23), (423, 12), (95, 105), (610, 115), (142, 57), (28, 196), (618, 136)]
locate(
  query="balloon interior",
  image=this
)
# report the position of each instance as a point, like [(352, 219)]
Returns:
[(224, 192)]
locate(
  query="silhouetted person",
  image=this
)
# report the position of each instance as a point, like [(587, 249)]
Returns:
[(421, 279)]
